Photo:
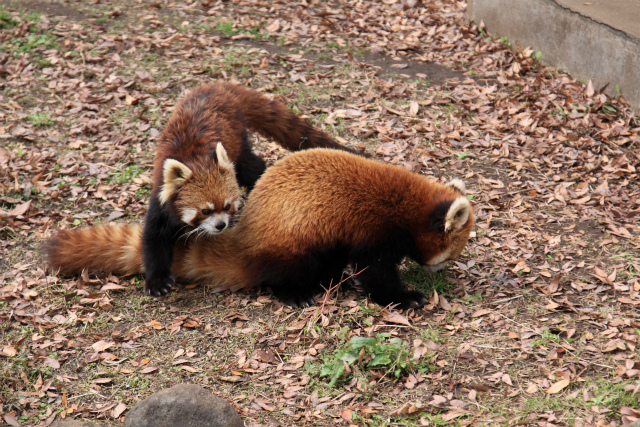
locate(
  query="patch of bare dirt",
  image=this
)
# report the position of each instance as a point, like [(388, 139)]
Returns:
[(537, 322), (52, 8)]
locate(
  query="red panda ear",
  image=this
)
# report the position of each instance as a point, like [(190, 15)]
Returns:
[(458, 184), (457, 215), (223, 159), (174, 174)]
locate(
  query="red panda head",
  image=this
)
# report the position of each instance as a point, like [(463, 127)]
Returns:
[(450, 226), (205, 198)]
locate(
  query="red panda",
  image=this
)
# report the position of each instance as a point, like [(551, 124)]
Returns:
[(203, 156), (308, 217)]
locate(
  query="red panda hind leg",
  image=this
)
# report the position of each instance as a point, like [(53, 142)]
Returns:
[(297, 282), (382, 281)]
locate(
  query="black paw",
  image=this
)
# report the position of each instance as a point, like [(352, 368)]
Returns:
[(159, 286), (350, 280), (403, 300), (412, 299), (299, 300)]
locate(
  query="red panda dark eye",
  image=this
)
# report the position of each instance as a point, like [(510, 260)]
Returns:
[(227, 207), (206, 211)]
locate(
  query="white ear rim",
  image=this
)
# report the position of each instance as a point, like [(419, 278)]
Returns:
[(174, 174), (457, 215), (223, 158), (458, 184)]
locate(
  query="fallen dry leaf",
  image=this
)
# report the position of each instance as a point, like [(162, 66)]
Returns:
[(395, 317), (558, 387), (101, 346), (118, 410), (21, 209)]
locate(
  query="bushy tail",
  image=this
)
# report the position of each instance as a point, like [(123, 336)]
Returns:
[(273, 120), (114, 248)]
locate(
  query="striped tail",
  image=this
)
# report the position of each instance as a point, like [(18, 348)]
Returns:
[(273, 120), (112, 248)]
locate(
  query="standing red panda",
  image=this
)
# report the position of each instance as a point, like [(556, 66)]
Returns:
[(308, 217), (203, 154)]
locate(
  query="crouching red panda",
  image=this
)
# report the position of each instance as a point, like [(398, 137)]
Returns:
[(308, 217)]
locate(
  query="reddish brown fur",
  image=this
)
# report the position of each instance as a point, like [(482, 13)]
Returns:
[(116, 246), (198, 186), (317, 203), (359, 202), (222, 112)]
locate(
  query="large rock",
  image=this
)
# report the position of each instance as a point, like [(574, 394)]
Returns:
[(185, 405), (69, 422)]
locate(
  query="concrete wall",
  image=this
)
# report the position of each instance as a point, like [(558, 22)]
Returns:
[(587, 49)]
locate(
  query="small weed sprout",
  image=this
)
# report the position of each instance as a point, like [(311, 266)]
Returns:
[(41, 119), (383, 352), (226, 28), (127, 175)]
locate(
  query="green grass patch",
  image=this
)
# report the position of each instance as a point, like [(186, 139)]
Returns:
[(143, 192), (6, 20), (228, 30), (361, 354), (259, 36), (126, 176), (613, 396), (605, 396), (40, 62), (234, 61), (546, 338), (41, 119), (33, 41), (204, 27), (425, 281)]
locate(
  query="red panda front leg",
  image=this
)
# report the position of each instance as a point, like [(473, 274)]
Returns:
[(380, 278), (158, 239)]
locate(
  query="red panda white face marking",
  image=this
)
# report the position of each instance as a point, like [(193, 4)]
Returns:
[(438, 262), (188, 215), (209, 218)]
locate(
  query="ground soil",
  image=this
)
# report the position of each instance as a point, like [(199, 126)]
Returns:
[(536, 323)]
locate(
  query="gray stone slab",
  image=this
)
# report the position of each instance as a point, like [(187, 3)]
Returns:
[(622, 15), (600, 44), (185, 405), (634, 424), (69, 422)]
